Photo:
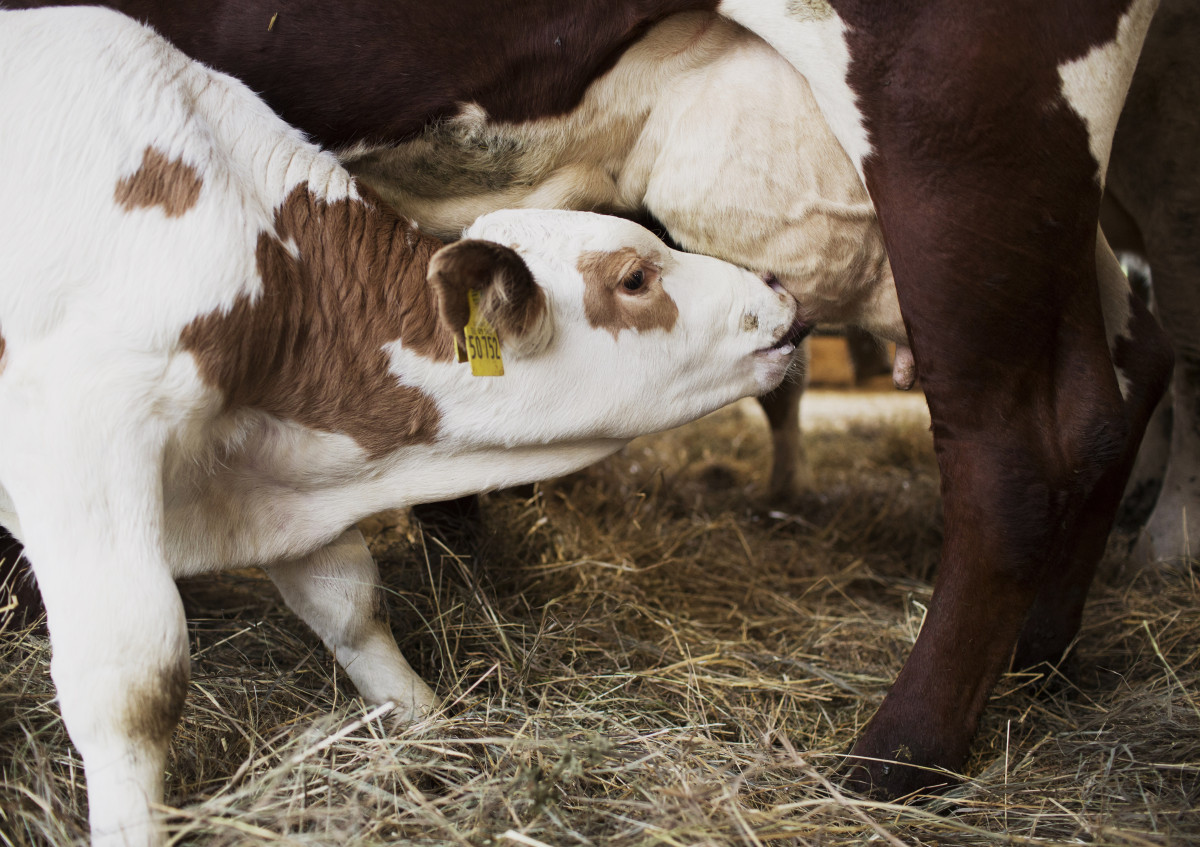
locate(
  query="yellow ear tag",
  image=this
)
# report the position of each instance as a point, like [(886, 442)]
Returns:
[(483, 347)]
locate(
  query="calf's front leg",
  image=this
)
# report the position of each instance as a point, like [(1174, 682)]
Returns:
[(336, 591)]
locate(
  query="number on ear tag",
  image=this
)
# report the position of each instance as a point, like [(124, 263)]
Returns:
[(483, 347)]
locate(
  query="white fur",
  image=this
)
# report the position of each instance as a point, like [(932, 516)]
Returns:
[(109, 429)]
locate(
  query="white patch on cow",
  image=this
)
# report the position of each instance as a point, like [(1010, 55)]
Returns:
[(816, 46), (1095, 84)]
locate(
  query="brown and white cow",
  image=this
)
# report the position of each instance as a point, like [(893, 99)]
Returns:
[(982, 132), (218, 350)]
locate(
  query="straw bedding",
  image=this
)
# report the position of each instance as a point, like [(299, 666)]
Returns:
[(648, 653)]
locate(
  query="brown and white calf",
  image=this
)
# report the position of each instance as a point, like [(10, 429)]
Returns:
[(698, 122), (219, 351)]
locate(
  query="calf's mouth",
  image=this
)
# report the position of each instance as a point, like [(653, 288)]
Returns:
[(791, 337)]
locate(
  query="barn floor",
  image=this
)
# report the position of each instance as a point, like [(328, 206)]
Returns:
[(649, 653)]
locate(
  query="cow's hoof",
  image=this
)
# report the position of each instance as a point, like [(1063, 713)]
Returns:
[(893, 779), (790, 480), (1044, 649), (896, 763)]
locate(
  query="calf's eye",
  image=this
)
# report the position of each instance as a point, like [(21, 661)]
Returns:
[(634, 281)]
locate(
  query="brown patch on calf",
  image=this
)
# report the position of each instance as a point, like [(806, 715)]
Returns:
[(171, 184), (153, 708), (606, 303), (3, 362), (309, 348)]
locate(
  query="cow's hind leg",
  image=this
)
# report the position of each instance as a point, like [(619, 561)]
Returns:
[(986, 179), (1142, 358), (336, 591), (89, 503), (1029, 425), (1019, 465)]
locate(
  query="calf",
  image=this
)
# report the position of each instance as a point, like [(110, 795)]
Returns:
[(220, 351)]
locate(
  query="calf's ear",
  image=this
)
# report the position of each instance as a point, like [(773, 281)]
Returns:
[(509, 298)]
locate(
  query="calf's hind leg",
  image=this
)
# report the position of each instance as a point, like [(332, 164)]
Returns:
[(89, 508), (336, 591)]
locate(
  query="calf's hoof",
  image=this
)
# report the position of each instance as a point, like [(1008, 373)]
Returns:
[(413, 707), (893, 780)]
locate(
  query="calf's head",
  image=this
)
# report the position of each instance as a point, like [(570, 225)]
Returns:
[(605, 332)]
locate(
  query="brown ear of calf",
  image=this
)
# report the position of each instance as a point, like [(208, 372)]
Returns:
[(509, 299)]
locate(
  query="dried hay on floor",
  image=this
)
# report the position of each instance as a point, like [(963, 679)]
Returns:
[(646, 653)]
